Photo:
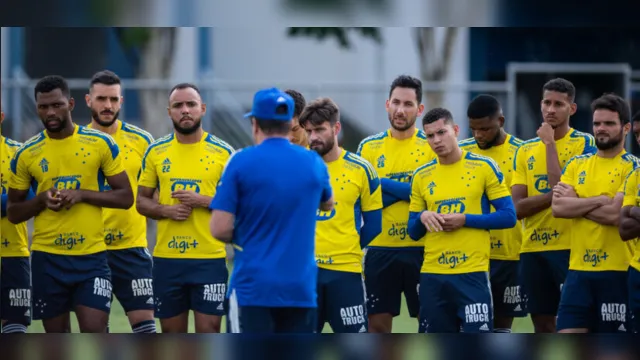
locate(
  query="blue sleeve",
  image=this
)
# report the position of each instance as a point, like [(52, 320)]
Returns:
[(372, 226), (388, 199), (323, 172), (396, 188), (416, 227), (3, 206), (226, 197), (503, 218)]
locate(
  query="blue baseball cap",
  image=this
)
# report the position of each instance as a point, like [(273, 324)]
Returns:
[(265, 103)]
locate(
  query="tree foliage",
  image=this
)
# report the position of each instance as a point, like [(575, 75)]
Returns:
[(340, 34)]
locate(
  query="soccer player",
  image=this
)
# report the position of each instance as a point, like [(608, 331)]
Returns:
[(635, 127), (15, 274), (392, 260), (339, 238), (544, 256), (70, 163), (125, 230), (297, 135), (267, 207), (489, 139), (451, 198), (190, 270), (590, 193)]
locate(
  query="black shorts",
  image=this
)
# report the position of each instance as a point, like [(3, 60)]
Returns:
[(543, 275), (341, 301), (15, 290), (508, 298), (131, 275), (388, 274)]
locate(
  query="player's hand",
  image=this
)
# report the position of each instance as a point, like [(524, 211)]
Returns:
[(189, 198), (70, 197), (432, 221), (605, 200), (178, 212), (545, 133), (51, 199), (453, 221), (564, 190)]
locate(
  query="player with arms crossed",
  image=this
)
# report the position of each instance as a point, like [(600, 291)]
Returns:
[(125, 230), (544, 256), (392, 261), (451, 198), (70, 164), (190, 270), (486, 122), (297, 135), (591, 192), (339, 237), (15, 274)]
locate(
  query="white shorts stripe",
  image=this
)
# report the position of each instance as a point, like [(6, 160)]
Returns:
[(234, 313)]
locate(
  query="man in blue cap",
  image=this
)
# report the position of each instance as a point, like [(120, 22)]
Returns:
[(266, 205)]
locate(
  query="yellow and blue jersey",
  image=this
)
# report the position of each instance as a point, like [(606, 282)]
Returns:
[(505, 243), (14, 241), (356, 190), (78, 162), (465, 187), (127, 228), (542, 231), (396, 160), (169, 165), (597, 247), (632, 198)]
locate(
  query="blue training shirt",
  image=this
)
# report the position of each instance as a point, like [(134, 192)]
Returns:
[(274, 190)]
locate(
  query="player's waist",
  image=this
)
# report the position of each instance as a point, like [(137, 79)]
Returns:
[(347, 267), (84, 249)]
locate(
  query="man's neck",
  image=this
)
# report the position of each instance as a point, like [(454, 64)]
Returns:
[(64, 133), (261, 137), (332, 155), (501, 138), (561, 131), (403, 134), (451, 158), (611, 153), (111, 129), (189, 138)]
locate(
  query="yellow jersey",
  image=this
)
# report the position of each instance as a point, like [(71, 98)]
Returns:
[(505, 243), (596, 247), (14, 241), (396, 160), (124, 229), (169, 165), (77, 162), (543, 232), (465, 187), (632, 198), (356, 189)]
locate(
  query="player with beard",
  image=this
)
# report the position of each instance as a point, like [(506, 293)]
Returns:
[(590, 193), (489, 139), (635, 127), (392, 261), (339, 235), (125, 230), (297, 135), (69, 258), (190, 270), (544, 255)]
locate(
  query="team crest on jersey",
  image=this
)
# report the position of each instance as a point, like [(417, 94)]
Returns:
[(581, 177), (381, 160), (530, 162), (431, 187), (166, 165), (44, 165)]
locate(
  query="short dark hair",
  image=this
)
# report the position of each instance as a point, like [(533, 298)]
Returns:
[(318, 111), (436, 114), (183, 86), (561, 85), (636, 117), (105, 77), (275, 127), (615, 103), (51, 82), (298, 100), (483, 106), (406, 81)]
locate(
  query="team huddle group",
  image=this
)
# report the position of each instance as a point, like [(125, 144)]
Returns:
[(473, 232)]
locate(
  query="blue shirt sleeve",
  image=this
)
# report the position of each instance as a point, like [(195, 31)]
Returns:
[(371, 227), (503, 218), (415, 227), (3, 206), (398, 189), (227, 191), (388, 199)]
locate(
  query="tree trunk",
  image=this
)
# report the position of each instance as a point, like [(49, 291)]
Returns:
[(435, 60), (155, 63)]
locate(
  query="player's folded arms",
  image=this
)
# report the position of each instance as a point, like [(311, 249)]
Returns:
[(504, 217), (602, 209)]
